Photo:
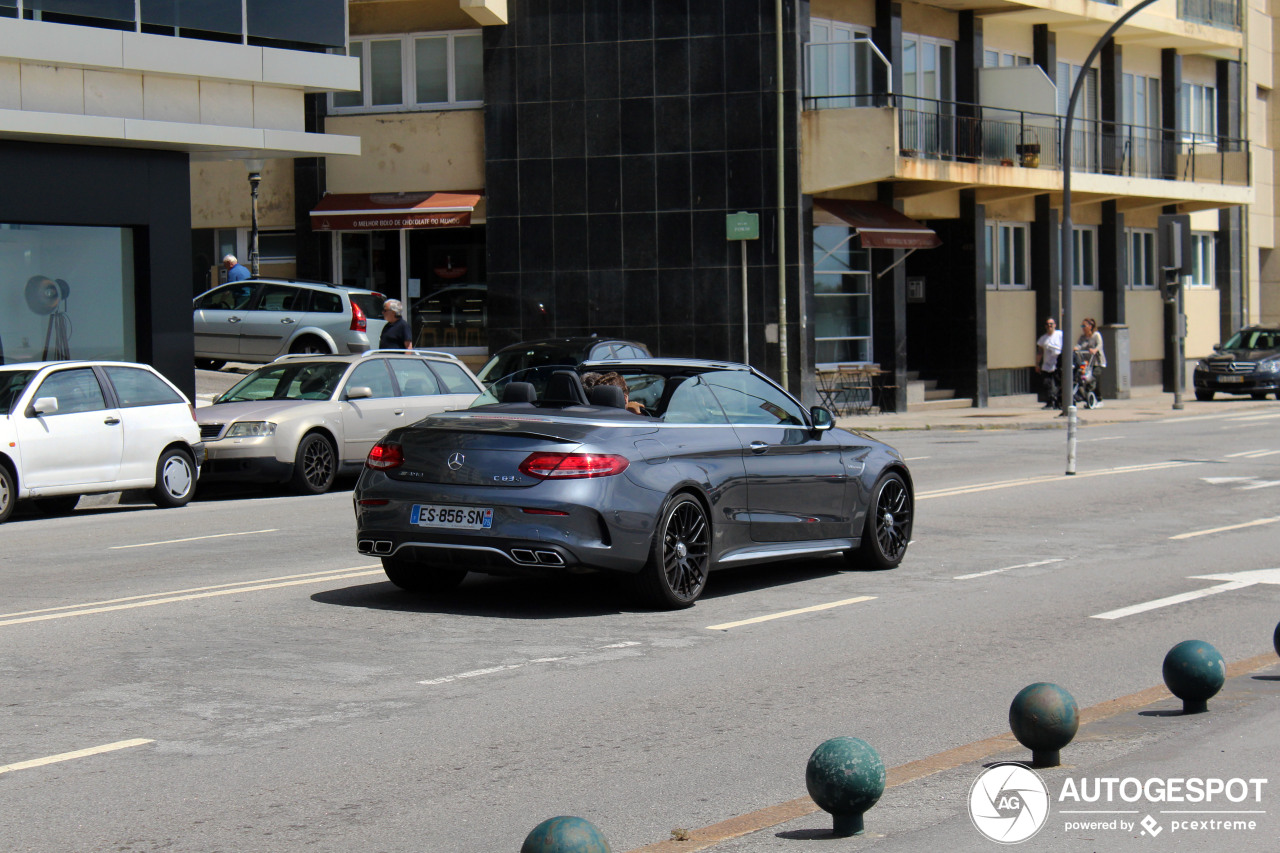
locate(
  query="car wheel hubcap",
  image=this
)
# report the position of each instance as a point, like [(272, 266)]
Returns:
[(685, 551), (177, 477), (893, 522)]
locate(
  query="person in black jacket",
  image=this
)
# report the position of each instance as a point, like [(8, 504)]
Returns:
[(395, 334)]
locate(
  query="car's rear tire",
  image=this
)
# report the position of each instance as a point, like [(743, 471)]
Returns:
[(309, 346), (887, 530), (175, 479), (679, 556), (417, 577), (57, 504), (1205, 396), (1258, 395), (8, 493), (316, 465), (210, 363)]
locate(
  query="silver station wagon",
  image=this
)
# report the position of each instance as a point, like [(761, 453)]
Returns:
[(303, 419), (258, 319)]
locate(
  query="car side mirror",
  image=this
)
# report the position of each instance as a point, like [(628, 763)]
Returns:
[(44, 406), (1217, 347), (359, 392), (822, 419)]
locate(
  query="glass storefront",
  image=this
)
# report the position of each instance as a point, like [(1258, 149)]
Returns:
[(842, 296), (443, 286), (66, 292)]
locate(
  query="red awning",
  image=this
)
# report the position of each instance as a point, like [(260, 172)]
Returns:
[(379, 211), (878, 225)]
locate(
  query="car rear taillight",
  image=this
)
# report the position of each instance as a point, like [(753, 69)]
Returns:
[(572, 466), (193, 412), (384, 456), (358, 321)]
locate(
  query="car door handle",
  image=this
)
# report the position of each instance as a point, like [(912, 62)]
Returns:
[(759, 447), (287, 320), (233, 319), (111, 421), (399, 412)]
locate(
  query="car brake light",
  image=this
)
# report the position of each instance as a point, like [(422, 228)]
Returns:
[(384, 456), (572, 466), (358, 321), (193, 412)]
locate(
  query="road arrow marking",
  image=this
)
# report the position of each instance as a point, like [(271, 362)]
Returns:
[(1233, 580)]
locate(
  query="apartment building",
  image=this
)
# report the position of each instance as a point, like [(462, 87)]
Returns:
[(557, 167), (104, 106)]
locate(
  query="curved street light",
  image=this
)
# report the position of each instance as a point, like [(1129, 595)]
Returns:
[(1066, 241)]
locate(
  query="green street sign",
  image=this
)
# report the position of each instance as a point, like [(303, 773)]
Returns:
[(742, 226)]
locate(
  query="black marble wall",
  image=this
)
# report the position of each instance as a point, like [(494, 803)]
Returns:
[(618, 135)]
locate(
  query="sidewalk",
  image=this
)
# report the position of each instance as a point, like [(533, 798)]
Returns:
[(1146, 404), (1140, 737)]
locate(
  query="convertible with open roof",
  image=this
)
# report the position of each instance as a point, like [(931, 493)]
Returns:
[(721, 468)]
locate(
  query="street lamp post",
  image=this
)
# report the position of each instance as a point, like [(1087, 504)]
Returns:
[(255, 178), (1066, 243)]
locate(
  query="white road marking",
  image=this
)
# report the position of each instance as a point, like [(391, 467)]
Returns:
[(491, 670), (192, 539), (1052, 478), (1258, 523), (1102, 438), (727, 625), (915, 458), (1249, 454), (68, 756), (1008, 569), (1233, 580), (1261, 484), (133, 602), (1218, 481)]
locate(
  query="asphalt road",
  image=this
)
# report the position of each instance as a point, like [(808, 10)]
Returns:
[(284, 696)]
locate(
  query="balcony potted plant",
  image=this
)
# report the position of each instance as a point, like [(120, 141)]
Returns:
[(1028, 149)]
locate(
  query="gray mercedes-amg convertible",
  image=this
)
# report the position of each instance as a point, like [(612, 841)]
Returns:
[(720, 468)]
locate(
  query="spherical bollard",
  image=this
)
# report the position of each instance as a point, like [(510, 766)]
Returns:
[(1044, 718), (845, 777), (565, 835), (1194, 672)]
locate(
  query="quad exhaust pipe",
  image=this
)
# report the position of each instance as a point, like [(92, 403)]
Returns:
[(528, 557), (374, 546)]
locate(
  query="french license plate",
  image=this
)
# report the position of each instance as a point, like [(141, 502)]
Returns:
[(1230, 378), (458, 517)]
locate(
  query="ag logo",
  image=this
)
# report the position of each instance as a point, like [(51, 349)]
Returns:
[(1009, 803)]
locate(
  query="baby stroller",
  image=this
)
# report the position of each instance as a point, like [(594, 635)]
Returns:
[(1086, 380)]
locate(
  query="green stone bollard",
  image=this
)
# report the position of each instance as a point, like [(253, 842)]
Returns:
[(845, 777), (565, 835), (1194, 672), (1044, 718)]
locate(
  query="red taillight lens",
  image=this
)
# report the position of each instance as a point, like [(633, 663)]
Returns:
[(384, 456), (572, 466), (358, 321)]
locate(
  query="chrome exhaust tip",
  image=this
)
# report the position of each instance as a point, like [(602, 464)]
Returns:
[(550, 558), (523, 555)]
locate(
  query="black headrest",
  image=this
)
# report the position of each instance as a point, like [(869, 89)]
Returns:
[(565, 386), (607, 395), (519, 392)]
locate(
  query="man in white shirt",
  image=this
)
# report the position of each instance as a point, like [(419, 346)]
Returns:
[(1048, 348)]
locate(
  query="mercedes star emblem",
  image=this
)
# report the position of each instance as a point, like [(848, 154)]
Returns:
[(455, 461)]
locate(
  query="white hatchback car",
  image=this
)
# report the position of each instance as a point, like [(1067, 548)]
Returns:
[(303, 419), (70, 428)]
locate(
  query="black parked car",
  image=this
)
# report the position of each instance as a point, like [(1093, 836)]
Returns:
[(724, 469), (1248, 363), (557, 352)]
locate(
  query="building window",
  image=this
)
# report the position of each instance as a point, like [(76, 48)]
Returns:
[(415, 72), (1142, 258), (276, 247), (1198, 113), (1085, 256), (842, 296), (1007, 246), (1003, 59), (1202, 259), (73, 293), (840, 69)]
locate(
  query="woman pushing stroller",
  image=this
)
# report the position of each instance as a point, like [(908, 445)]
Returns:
[(1087, 357)]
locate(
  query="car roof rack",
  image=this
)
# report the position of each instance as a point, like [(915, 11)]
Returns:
[(291, 355), (430, 352)]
